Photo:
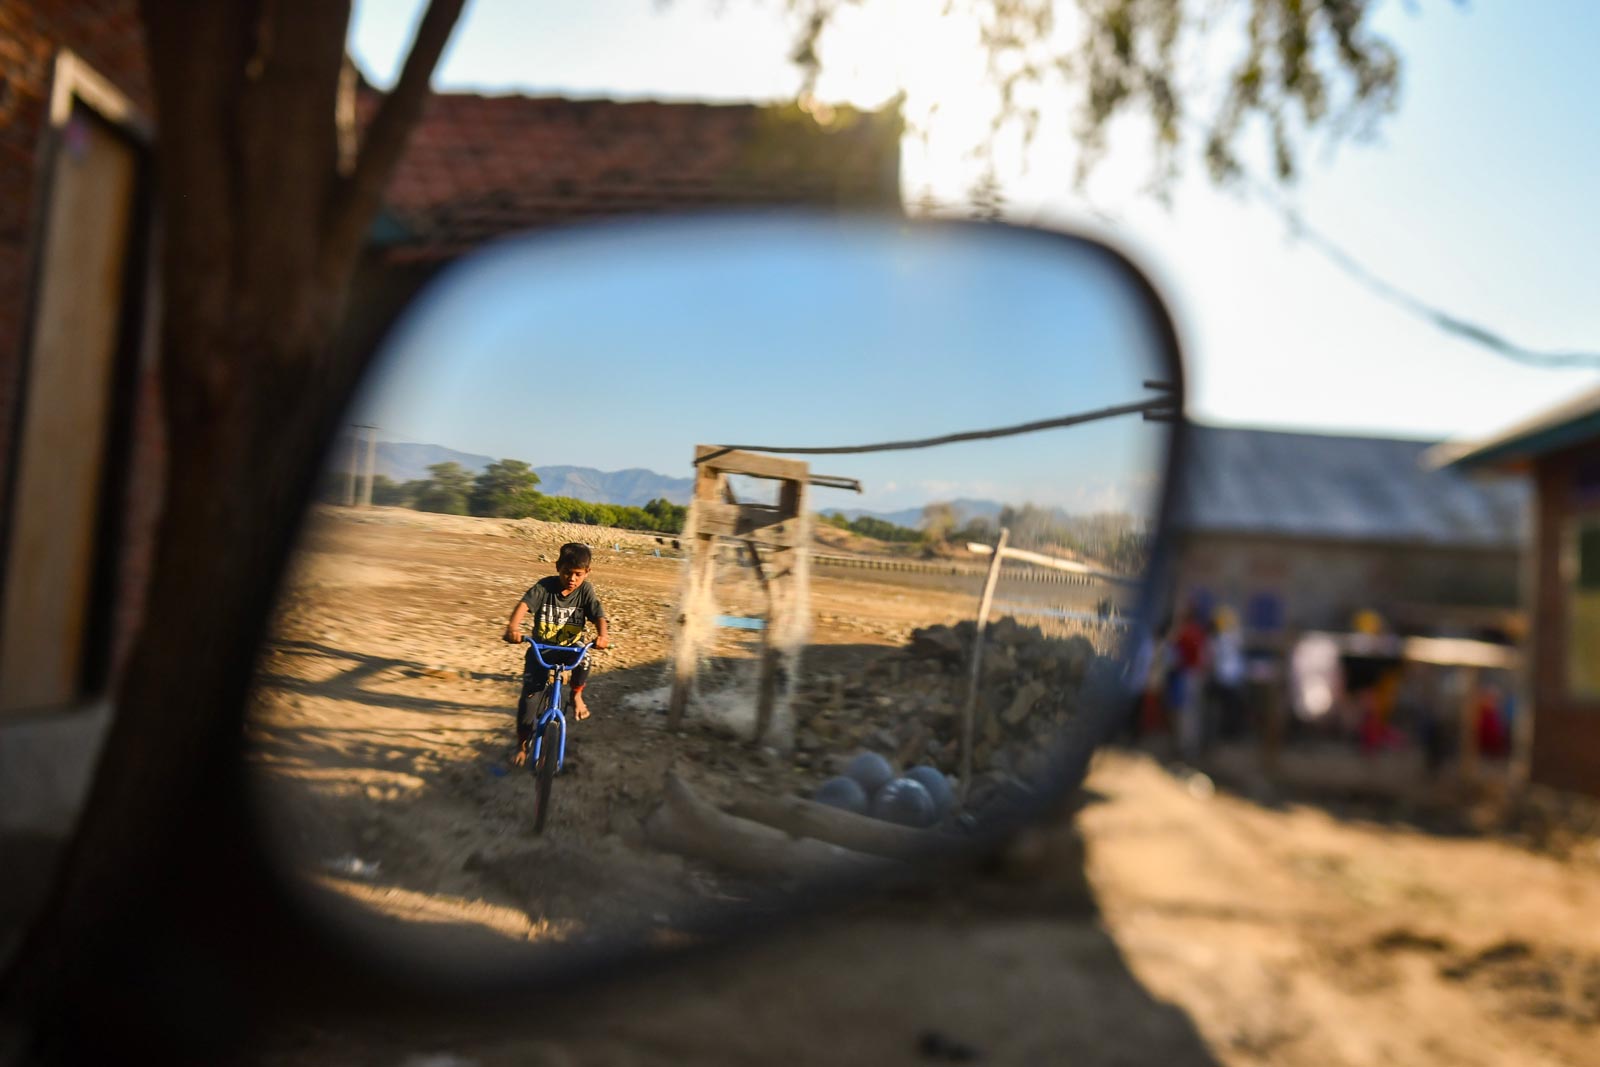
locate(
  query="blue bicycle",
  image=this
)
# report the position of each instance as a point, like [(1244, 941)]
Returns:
[(548, 746)]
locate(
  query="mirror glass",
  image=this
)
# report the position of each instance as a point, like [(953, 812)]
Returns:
[(789, 690)]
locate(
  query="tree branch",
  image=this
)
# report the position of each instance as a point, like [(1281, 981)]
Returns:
[(357, 197)]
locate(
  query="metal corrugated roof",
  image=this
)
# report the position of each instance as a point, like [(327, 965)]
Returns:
[(1570, 423), (1319, 486)]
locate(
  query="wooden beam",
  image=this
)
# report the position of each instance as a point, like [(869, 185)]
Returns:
[(1460, 652), (834, 481), (746, 522), (749, 549), (752, 464)]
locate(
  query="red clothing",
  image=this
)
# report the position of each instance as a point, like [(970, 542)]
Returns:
[(1190, 645), (1492, 739)]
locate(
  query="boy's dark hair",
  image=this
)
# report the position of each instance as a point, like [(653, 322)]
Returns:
[(574, 557)]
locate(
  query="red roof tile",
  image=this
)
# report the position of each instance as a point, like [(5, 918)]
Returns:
[(477, 167)]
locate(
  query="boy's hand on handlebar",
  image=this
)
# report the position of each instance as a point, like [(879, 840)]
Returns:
[(511, 637), (602, 643)]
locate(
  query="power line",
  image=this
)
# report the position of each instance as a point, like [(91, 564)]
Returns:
[(1157, 409), (1447, 321)]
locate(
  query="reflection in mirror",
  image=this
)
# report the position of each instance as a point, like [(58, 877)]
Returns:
[(596, 438)]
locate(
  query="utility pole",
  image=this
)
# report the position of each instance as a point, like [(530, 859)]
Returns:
[(350, 473), (372, 463)]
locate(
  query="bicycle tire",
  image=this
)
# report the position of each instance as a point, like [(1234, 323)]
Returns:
[(544, 773)]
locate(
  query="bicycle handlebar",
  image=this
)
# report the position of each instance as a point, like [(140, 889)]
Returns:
[(538, 653)]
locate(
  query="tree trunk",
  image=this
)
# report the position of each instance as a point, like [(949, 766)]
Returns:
[(260, 232), (858, 833), (688, 825)]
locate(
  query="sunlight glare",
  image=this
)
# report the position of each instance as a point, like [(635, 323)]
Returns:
[(912, 47)]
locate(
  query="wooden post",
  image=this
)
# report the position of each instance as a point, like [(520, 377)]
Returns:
[(1469, 728), (686, 654), (770, 671), (1274, 713), (709, 487), (1272, 724), (782, 605), (969, 708)]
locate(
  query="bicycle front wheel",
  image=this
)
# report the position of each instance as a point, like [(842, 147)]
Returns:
[(544, 772)]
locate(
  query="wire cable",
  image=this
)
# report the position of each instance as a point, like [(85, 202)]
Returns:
[(1160, 408)]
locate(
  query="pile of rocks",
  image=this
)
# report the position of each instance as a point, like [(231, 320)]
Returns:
[(906, 703)]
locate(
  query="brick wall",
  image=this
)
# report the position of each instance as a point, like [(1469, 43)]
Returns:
[(107, 35)]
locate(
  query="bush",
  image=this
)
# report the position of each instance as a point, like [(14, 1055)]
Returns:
[(875, 528)]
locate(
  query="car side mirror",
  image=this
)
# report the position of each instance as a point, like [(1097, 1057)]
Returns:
[(871, 510)]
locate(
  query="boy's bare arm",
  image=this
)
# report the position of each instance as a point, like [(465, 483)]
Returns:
[(601, 639), (513, 632)]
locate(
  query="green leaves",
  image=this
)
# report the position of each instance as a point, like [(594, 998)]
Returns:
[(504, 488), (1217, 71)]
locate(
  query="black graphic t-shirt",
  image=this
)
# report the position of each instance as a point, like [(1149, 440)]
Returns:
[(557, 619)]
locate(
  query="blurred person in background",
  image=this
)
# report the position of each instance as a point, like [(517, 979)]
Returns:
[(1227, 673), (1186, 680)]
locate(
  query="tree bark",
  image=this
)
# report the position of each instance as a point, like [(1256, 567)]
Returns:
[(807, 818), (260, 235), (688, 825)]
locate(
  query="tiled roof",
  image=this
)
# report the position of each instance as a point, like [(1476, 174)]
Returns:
[(477, 167), (1321, 486)]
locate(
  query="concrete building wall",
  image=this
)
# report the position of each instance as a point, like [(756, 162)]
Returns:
[(1323, 583)]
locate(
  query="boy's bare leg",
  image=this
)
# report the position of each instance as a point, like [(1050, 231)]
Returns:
[(580, 707), (520, 757)]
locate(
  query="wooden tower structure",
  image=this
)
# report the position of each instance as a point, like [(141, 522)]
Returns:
[(776, 541)]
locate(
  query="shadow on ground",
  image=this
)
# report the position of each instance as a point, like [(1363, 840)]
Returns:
[(1002, 962)]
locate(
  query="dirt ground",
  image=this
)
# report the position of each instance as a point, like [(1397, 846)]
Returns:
[(1214, 928), (383, 727)]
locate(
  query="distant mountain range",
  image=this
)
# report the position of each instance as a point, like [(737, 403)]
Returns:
[(636, 486), (403, 462)]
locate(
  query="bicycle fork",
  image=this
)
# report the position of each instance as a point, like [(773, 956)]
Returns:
[(550, 715)]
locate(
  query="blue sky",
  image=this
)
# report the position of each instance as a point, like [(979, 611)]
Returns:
[(1476, 196), (628, 347)]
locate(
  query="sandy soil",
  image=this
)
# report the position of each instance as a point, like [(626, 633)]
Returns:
[(1213, 929), (383, 727)]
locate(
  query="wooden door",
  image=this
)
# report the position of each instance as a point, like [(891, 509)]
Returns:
[(58, 493)]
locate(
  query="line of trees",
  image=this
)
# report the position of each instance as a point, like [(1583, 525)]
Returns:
[(875, 528), (508, 489)]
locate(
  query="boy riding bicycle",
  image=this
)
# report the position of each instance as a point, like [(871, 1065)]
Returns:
[(560, 606)]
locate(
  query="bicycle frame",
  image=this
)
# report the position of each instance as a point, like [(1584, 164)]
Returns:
[(553, 711)]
